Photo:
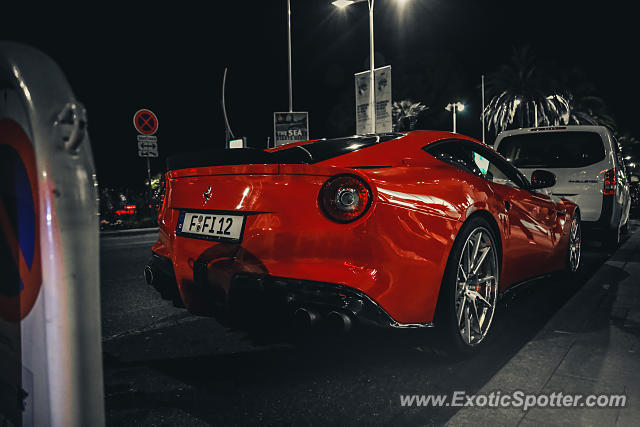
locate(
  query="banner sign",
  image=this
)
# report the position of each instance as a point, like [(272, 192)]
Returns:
[(382, 94), (384, 120), (290, 127), (363, 117)]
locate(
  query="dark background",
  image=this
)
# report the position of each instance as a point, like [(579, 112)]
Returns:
[(170, 59)]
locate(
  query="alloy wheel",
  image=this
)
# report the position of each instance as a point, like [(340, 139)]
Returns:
[(476, 286), (575, 242)]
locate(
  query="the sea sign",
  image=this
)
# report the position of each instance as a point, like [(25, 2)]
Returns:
[(382, 98), (290, 127), (19, 223)]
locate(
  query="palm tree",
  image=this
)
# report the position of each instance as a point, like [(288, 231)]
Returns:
[(586, 107), (520, 90), (405, 114)]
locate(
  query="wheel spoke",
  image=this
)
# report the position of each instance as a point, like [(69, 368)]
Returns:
[(485, 279), (467, 324), (476, 246), (483, 256), (464, 274), (461, 310), (483, 299), (474, 313)]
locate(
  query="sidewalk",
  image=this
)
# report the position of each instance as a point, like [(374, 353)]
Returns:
[(591, 346)]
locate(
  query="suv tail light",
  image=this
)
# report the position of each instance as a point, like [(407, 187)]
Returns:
[(610, 182), (345, 198)]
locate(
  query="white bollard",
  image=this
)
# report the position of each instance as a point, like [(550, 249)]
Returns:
[(50, 337)]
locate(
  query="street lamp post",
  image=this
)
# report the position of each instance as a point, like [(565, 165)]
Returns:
[(372, 104), (289, 55), (453, 107)]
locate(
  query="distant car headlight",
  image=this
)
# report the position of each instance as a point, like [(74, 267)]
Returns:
[(345, 198)]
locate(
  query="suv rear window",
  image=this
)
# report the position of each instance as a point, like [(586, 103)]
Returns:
[(553, 149)]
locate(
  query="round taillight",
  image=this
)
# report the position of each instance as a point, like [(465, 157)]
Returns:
[(345, 198)]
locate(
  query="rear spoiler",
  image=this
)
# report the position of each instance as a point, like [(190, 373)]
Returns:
[(236, 156)]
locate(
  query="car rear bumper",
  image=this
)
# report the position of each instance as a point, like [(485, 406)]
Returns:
[(606, 220), (399, 270), (283, 294)]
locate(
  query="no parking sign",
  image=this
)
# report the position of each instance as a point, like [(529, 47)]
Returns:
[(19, 228), (145, 122)]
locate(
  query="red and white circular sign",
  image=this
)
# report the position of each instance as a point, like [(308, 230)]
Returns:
[(145, 122)]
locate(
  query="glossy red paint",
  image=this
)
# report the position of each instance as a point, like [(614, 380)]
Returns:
[(395, 254)]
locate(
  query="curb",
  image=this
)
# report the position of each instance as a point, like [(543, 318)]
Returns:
[(131, 232)]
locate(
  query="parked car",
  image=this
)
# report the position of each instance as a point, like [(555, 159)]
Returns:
[(401, 230), (589, 170)]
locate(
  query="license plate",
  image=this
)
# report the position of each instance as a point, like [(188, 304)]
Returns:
[(211, 226)]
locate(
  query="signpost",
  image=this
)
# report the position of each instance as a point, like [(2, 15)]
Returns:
[(290, 127), (382, 94), (146, 123), (50, 335)]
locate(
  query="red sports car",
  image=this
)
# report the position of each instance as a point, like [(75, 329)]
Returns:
[(404, 230)]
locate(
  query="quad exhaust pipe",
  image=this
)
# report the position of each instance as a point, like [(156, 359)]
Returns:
[(340, 321), (306, 318)]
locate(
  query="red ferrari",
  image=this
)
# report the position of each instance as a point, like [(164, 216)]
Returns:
[(403, 230)]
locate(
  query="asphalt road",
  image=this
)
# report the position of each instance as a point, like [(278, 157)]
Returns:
[(163, 366)]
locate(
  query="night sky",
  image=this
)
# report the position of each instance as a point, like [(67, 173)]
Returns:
[(119, 59)]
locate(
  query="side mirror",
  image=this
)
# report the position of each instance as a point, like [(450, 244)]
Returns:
[(542, 179)]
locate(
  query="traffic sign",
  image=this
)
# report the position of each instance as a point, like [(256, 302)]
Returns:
[(19, 223), (147, 146), (145, 122)]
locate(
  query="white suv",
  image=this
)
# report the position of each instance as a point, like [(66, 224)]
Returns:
[(589, 171)]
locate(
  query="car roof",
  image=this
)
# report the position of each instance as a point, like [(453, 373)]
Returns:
[(544, 129)]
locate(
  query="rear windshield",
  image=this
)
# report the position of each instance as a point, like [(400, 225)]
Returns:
[(553, 149), (309, 153)]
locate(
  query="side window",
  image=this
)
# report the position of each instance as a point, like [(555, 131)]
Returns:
[(479, 161), (457, 154)]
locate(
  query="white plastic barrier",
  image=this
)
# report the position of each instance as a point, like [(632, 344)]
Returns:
[(50, 338)]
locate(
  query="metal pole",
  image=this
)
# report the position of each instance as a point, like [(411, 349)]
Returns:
[(289, 57), (483, 132), (372, 82), (454, 118), (149, 177)]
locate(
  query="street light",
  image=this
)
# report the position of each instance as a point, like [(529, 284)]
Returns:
[(372, 105), (289, 55), (457, 106), (341, 4)]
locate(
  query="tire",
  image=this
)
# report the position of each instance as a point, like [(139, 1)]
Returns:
[(573, 261), (611, 239), (625, 228), (469, 290)]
